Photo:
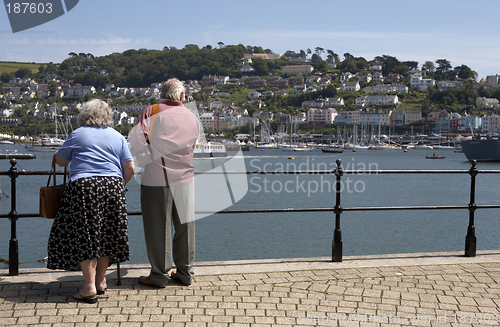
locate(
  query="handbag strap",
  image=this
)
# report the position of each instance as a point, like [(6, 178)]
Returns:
[(53, 172)]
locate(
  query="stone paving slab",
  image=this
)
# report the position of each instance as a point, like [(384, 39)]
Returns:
[(438, 289)]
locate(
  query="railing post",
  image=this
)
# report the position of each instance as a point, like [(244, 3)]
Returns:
[(13, 216), (470, 239), (337, 234)]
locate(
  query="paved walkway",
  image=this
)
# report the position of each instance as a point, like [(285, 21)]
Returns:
[(432, 289)]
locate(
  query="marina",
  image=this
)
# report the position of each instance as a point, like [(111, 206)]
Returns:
[(309, 234)]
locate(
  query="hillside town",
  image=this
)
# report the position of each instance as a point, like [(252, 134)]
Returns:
[(382, 104)]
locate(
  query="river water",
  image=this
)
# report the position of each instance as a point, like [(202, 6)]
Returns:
[(294, 235)]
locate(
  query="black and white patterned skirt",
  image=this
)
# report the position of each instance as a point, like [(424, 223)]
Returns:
[(91, 223)]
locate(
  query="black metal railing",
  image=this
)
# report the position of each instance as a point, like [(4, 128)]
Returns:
[(470, 239)]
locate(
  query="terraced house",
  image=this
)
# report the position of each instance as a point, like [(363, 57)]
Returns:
[(376, 100)]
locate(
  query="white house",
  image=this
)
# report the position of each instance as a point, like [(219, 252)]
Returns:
[(483, 102), (491, 123), (449, 85), (207, 120), (80, 90), (313, 79), (344, 77), (297, 89), (254, 95), (321, 116), (246, 69), (377, 65), (215, 104), (421, 83), (376, 100), (221, 80), (386, 88), (378, 77), (267, 93), (334, 102), (350, 86)]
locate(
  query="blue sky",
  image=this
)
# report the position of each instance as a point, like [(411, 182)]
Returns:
[(462, 32)]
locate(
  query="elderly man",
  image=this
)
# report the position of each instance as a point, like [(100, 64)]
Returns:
[(169, 131)]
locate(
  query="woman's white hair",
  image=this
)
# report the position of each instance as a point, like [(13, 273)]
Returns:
[(95, 113), (172, 89)]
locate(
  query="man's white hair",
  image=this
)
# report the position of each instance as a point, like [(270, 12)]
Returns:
[(172, 89)]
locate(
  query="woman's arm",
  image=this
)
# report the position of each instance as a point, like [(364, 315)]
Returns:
[(60, 161), (128, 170)]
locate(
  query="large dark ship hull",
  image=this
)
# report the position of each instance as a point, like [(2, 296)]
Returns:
[(481, 150)]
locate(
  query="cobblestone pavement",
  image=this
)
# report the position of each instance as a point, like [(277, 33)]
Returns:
[(461, 293)]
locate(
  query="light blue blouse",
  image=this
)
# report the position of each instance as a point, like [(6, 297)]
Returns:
[(95, 151)]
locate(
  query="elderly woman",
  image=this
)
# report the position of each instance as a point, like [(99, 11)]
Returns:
[(90, 228)]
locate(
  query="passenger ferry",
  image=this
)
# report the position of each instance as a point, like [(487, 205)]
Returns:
[(210, 150)]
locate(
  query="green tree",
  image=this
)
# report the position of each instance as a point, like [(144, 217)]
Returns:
[(23, 73), (429, 66), (347, 55), (332, 56), (412, 65), (258, 49), (5, 77), (52, 87), (50, 68), (316, 58), (389, 64), (260, 67), (319, 51), (443, 69), (464, 72)]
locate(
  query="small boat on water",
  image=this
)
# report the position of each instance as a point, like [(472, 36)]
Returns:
[(46, 144), (435, 156), (333, 149)]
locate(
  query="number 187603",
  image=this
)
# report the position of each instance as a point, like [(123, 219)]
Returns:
[(29, 8)]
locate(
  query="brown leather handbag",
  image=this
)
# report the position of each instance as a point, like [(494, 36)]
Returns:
[(50, 196)]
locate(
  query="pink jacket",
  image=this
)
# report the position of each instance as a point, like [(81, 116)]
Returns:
[(172, 141)]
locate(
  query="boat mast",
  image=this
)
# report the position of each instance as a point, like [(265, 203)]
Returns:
[(43, 121), (55, 117)]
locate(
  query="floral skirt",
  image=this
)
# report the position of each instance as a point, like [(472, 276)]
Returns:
[(91, 223)]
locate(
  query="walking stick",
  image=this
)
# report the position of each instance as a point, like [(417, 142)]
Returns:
[(118, 281)]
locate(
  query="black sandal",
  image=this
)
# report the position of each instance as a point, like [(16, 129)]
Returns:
[(91, 299), (101, 292)]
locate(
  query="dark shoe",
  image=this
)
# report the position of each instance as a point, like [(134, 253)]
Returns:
[(101, 292), (91, 299), (145, 280), (176, 277)]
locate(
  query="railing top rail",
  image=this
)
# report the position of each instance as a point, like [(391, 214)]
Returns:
[(296, 172)]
